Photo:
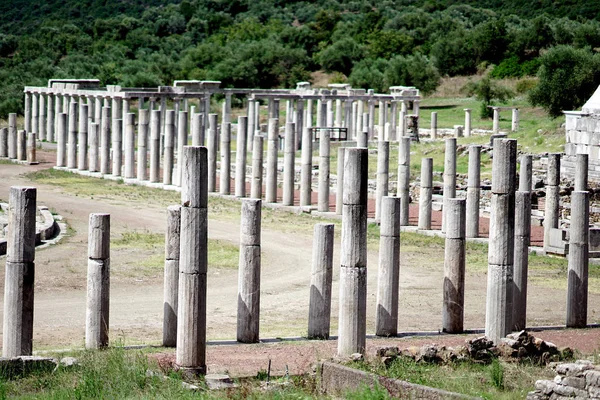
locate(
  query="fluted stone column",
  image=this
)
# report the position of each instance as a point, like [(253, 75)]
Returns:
[(454, 267), (94, 140), (130, 146), (12, 135), (449, 176), (105, 141), (72, 150), (289, 164), (212, 143), (339, 193), (383, 175), (319, 311), (117, 149), (551, 213), (169, 140), (27, 114), (98, 282), (299, 131), (241, 157), (404, 179), (193, 262), (324, 168), (3, 142), (499, 307), (426, 193), (19, 274), (581, 172), (577, 288), (306, 171), (82, 138), (272, 150), (61, 140), (22, 145), (31, 148), (171, 276), (386, 314), (251, 124), (473, 191), (353, 258), (225, 172), (248, 310), (257, 167), (155, 146)]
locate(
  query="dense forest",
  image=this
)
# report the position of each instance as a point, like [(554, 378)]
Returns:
[(276, 43)]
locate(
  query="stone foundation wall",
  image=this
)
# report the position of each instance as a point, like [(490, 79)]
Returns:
[(580, 380)]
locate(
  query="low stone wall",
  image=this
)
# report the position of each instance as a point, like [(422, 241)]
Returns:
[(580, 380), (44, 230)]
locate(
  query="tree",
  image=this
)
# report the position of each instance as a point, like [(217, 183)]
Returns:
[(369, 74), (415, 71), (488, 91), (567, 78), (341, 56)]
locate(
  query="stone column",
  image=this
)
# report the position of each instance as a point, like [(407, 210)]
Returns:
[(359, 115), (155, 146), (581, 173), (577, 289), (338, 113), (298, 132), (50, 118), (319, 311), (551, 213), (272, 148), (197, 131), (125, 110), (193, 262), (467, 122), (386, 314), (98, 282), (225, 172), (434, 125), (171, 276), (31, 144), (522, 241), (324, 153), (322, 107), (168, 159), (383, 175), (97, 109), (61, 140), (27, 113), (57, 110), (426, 193), (515, 120), (329, 113), (105, 140), (257, 167), (251, 124), (241, 157), (35, 113), (3, 142), (21, 145), (41, 133), (212, 152), (289, 164), (306, 171), (339, 193), (117, 149), (371, 119), (19, 273), (182, 140), (72, 155), (454, 267), (404, 179), (248, 310), (93, 140), (381, 121), (142, 145), (473, 191), (393, 120), (12, 135), (449, 176), (82, 159), (496, 120), (353, 258), (416, 107), (498, 316)]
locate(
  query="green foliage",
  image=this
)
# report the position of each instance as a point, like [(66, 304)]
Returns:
[(525, 85), (369, 74), (415, 71), (488, 92), (567, 78), (497, 374), (341, 56)]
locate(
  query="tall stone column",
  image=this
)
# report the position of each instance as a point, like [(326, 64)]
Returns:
[(329, 113), (93, 140), (27, 114), (454, 268), (193, 262), (577, 288), (155, 146), (251, 124), (19, 274), (72, 154), (338, 113), (272, 150), (371, 119), (581, 173), (551, 213), (142, 145), (35, 113), (61, 141), (82, 138), (473, 191), (257, 167), (404, 179), (289, 164), (105, 141), (212, 152), (449, 176), (386, 314), (171, 276), (225, 172), (324, 168), (182, 140), (496, 120), (31, 148), (498, 316), (426, 193), (12, 135), (433, 125), (319, 311), (22, 145), (197, 130), (299, 131), (393, 120), (248, 310), (514, 126), (353, 258), (339, 193), (306, 169), (383, 175), (381, 121), (125, 110), (358, 121), (3, 142), (467, 122), (98, 282), (58, 99), (50, 118), (169, 157), (41, 133), (241, 157)]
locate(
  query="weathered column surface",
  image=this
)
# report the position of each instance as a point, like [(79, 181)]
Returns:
[(142, 145), (22, 145), (552, 196), (386, 313), (61, 141), (454, 268), (306, 168), (12, 135), (319, 311), (182, 140), (289, 164), (72, 150), (581, 172), (324, 170), (257, 167), (241, 157), (155, 146), (94, 141), (129, 145), (31, 148), (473, 191), (433, 133), (426, 193), (98, 282), (339, 193), (467, 122), (171, 276), (3, 142), (577, 286), (169, 143), (383, 175), (404, 178), (212, 144), (449, 176), (105, 141), (272, 150), (82, 138), (117, 146)]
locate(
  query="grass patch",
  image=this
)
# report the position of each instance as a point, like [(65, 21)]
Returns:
[(498, 380)]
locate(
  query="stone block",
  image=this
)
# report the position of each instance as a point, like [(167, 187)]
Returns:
[(546, 387), (558, 237), (592, 378), (573, 369)]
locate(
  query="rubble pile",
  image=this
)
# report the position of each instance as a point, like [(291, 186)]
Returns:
[(579, 380)]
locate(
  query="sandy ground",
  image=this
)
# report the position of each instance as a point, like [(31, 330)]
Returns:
[(136, 301)]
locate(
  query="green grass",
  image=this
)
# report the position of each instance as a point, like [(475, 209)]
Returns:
[(498, 380)]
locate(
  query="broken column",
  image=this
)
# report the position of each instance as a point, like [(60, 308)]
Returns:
[(93, 141), (473, 191), (514, 126), (383, 173), (498, 316), (22, 145), (426, 193), (404, 178), (552, 197), (171, 276), (577, 287), (272, 150), (241, 157), (3, 142), (142, 145), (449, 176), (257, 167), (61, 141), (31, 144), (212, 144), (496, 120), (353, 258), (155, 146), (193, 262), (433, 125), (225, 173), (467, 122), (324, 168), (289, 164), (386, 313), (82, 138), (306, 168), (98, 282), (454, 267), (19, 273), (248, 310), (319, 311), (339, 193), (169, 140), (105, 140)]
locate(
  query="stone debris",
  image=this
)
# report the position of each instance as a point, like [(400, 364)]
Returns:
[(19, 367), (580, 380)]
